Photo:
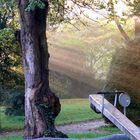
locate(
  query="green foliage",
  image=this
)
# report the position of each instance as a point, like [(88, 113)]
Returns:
[(134, 5), (111, 8), (9, 61), (33, 4), (16, 105), (7, 13), (56, 12), (9, 54), (9, 49)]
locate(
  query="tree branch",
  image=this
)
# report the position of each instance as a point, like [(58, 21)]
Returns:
[(123, 33)]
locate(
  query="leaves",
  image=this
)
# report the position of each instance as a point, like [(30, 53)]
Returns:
[(57, 12), (7, 13), (134, 5), (9, 58), (33, 4)]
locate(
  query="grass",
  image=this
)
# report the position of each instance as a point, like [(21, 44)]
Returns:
[(76, 110), (88, 135), (72, 135), (11, 138), (109, 129), (73, 111), (104, 131), (10, 122)]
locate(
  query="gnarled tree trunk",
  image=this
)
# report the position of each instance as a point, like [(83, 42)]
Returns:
[(41, 105)]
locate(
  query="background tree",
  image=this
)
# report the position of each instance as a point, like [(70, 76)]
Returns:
[(125, 63), (10, 62)]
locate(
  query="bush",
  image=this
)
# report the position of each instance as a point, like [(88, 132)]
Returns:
[(16, 105), (9, 58), (11, 75)]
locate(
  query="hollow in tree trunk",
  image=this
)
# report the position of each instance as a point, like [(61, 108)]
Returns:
[(41, 104)]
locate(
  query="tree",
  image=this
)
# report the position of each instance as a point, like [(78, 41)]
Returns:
[(41, 104), (124, 70), (10, 58)]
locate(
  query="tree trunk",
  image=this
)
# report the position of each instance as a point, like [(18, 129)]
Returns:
[(41, 105)]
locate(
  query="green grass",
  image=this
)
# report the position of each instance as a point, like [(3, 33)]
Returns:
[(70, 135), (109, 129), (10, 122), (77, 136), (106, 130), (76, 110), (88, 135), (103, 131), (73, 111), (11, 138)]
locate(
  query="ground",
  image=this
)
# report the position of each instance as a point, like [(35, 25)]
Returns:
[(76, 119), (83, 127), (91, 127)]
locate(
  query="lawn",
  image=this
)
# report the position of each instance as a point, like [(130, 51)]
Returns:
[(88, 135), (11, 138), (10, 122), (77, 136), (76, 110), (73, 111), (104, 131)]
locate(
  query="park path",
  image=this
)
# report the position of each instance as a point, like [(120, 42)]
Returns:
[(82, 127)]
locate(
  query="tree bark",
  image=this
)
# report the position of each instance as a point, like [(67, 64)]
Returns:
[(41, 105)]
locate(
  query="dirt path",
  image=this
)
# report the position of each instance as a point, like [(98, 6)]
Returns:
[(83, 127)]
